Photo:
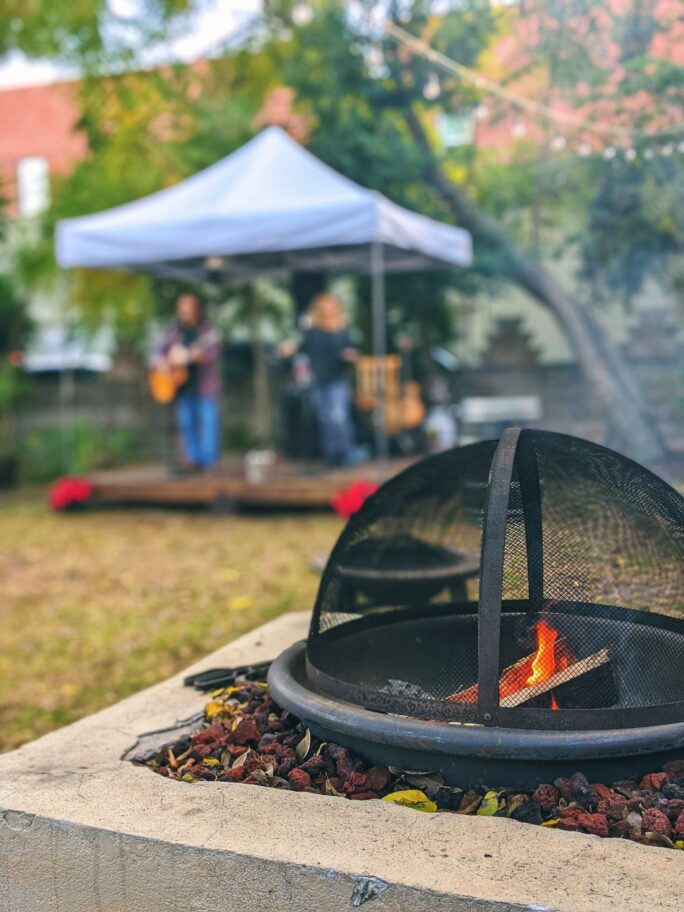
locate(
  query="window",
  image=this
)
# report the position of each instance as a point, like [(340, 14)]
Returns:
[(33, 185), (456, 129)]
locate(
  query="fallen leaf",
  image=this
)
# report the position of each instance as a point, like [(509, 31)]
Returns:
[(210, 761), (240, 603), (489, 806), (304, 746), (213, 709), (551, 823), (412, 798)]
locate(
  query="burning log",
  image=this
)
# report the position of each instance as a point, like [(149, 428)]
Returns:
[(581, 683), (552, 674)]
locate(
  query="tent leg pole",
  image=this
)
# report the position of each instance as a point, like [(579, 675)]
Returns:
[(379, 345)]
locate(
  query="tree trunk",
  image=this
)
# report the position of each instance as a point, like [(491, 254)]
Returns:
[(605, 372)]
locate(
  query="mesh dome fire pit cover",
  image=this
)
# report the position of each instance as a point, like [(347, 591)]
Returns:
[(535, 582)]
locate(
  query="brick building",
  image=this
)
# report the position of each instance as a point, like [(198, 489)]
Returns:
[(38, 138)]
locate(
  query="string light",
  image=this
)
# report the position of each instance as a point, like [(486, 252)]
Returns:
[(560, 118), (519, 128), (432, 88), (558, 143), (482, 111), (631, 154)]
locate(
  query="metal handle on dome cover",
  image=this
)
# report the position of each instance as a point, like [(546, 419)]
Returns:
[(491, 574), (530, 495)]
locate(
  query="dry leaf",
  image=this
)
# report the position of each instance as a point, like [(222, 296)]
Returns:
[(304, 746), (412, 798)]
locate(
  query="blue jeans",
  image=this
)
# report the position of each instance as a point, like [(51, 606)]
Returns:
[(198, 421), (333, 411)]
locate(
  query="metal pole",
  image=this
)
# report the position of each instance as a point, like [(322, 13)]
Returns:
[(379, 345)]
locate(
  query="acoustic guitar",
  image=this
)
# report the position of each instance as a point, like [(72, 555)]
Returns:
[(164, 384)]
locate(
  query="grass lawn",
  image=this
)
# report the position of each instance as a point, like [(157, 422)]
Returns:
[(96, 606)]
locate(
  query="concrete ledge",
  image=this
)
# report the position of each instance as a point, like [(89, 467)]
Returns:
[(81, 830)]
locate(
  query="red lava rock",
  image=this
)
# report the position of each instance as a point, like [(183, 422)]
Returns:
[(313, 766), (626, 787), (209, 734), (202, 772), (654, 821), (299, 780), (570, 813), (345, 762), (674, 769), (363, 796), (672, 808), (602, 790), (679, 825), (568, 823), (286, 768), (285, 753), (612, 807), (619, 829), (235, 774), (200, 751), (357, 782), (546, 796), (246, 731), (582, 792), (595, 824), (564, 786), (378, 778), (653, 781)]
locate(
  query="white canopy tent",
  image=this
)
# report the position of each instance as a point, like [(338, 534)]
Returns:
[(269, 209)]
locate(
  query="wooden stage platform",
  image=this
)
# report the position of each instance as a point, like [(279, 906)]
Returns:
[(288, 485)]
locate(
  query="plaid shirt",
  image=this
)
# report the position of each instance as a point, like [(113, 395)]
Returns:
[(209, 342)]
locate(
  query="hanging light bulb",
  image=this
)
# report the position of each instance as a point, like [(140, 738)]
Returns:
[(667, 150), (432, 88), (302, 14), (482, 111), (584, 149), (609, 153), (519, 128), (558, 143), (630, 154)]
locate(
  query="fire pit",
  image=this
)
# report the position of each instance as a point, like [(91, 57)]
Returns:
[(569, 655)]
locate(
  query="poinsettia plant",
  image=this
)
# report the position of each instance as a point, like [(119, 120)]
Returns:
[(350, 499), (70, 493)]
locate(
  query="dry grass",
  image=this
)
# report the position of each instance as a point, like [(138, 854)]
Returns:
[(99, 605)]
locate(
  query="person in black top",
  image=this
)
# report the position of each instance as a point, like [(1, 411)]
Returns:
[(330, 351)]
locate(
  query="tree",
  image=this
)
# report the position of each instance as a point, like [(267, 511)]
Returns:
[(367, 98)]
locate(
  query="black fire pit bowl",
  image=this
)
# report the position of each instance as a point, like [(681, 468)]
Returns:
[(471, 756), (566, 650)]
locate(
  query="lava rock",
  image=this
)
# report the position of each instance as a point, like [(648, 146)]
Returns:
[(654, 821)]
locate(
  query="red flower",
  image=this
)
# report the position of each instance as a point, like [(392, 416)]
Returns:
[(67, 493), (350, 500)]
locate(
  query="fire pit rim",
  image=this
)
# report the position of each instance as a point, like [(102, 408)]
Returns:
[(285, 683), (589, 719)]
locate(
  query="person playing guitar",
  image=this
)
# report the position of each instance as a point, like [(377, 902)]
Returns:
[(187, 371)]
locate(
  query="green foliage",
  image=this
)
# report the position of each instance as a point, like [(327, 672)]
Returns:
[(78, 449), (355, 89), (84, 31), (600, 59)]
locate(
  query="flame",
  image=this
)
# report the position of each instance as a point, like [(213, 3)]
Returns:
[(554, 704), (544, 661)]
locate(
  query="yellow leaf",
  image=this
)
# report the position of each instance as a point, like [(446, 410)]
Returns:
[(240, 602), (210, 761), (412, 798), (551, 823), (188, 777), (489, 806), (214, 709)]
